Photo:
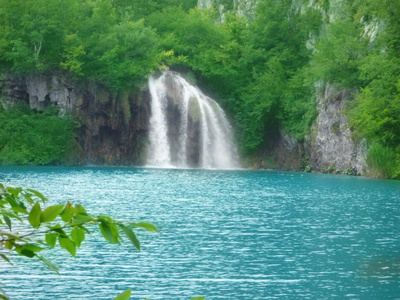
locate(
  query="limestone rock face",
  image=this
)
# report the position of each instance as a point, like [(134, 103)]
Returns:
[(113, 129), (13, 89), (54, 90), (332, 145), (329, 149), (242, 7)]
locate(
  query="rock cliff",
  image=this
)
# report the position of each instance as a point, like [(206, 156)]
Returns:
[(242, 7), (330, 148), (112, 129)]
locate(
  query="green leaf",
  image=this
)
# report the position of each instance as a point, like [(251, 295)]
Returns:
[(25, 252), (28, 197), (109, 231), (81, 218), (34, 215), (124, 296), (20, 210), (68, 245), (147, 226), (32, 248), (8, 221), (78, 235), (132, 237), (11, 236), (14, 192), (12, 216), (48, 264), (51, 239), (37, 194), (106, 231), (5, 258), (10, 244), (50, 213), (68, 212), (198, 298), (80, 209), (57, 228), (11, 199), (3, 297)]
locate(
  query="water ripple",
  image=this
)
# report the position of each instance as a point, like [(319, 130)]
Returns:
[(224, 235)]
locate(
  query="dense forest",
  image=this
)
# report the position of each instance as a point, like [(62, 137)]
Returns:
[(263, 70)]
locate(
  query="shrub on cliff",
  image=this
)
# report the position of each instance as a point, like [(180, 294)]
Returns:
[(34, 138)]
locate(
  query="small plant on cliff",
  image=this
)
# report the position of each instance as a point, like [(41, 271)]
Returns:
[(382, 161), (34, 138), (305, 163)]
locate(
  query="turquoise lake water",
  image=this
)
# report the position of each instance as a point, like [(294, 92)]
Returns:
[(223, 234)]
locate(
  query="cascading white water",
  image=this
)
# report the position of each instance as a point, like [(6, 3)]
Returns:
[(187, 128)]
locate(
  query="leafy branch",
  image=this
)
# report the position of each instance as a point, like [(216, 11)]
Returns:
[(40, 227)]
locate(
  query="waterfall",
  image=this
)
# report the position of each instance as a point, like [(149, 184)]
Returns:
[(187, 128)]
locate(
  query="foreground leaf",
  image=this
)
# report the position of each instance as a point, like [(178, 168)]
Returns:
[(147, 226), (68, 245), (50, 213), (51, 239), (132, 237), (81, 218), (37, 194), (68, 212), (3, 297), (14, 191), (48, 264), (25, 252), (34, 215), (109, 231), (78, 235), (124, 296), (8, 221), (32, 248), (5, 258)]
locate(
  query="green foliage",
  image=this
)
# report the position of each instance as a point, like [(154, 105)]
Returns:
[(124, 296), (45, 225), (375, 115), (124, 56), (338, 54), (34, 32), (276, 93), (33, 138), (86, 38), (383, 161), (299, 110)]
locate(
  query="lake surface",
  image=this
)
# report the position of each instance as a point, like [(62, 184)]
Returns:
[(223, 234)]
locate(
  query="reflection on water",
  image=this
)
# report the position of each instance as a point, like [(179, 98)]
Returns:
[(223, 234)]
